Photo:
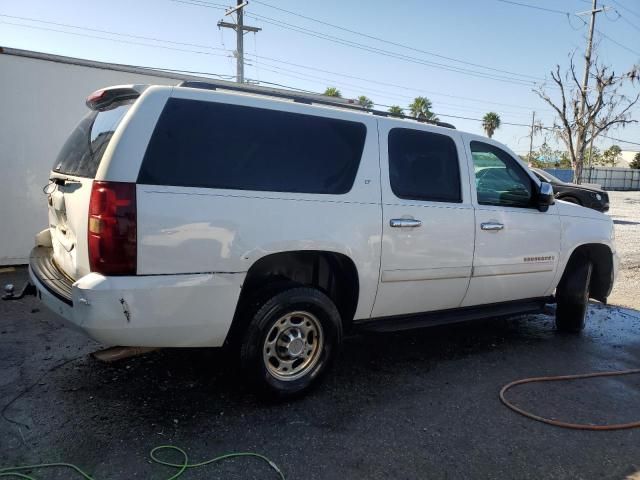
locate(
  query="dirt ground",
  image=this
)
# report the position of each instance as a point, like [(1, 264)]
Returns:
[(625, 211), (409, 405)]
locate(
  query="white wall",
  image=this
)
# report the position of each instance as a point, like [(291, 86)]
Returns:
[(40, 104), (627, 158)]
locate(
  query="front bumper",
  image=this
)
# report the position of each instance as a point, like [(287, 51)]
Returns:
[(191, 310), (600, 206)]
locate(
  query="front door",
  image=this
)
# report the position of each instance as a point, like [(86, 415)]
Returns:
[(428, 221), (517, 246)]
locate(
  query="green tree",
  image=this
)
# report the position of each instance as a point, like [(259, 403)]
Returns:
[(612, 155), (490, 123), (593, 157), (546, 157), (535, 162), (635, 163), (421, 109), (564, 161), (333, 92), (365, 102), (396, 110)]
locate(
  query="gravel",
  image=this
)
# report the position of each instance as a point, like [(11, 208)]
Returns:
[(625, 211)]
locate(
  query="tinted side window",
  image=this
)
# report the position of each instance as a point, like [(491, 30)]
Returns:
[(423, 166), (500, 180), (216, 145), (83, 150)]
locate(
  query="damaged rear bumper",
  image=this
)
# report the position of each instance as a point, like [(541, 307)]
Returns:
[(189, 310)]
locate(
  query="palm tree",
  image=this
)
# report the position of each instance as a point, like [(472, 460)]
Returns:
[(396, 110), (490, 123), (332, 92), (365, 102), (421, 109)]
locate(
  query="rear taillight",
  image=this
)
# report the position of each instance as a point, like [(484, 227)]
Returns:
[(112, 228)]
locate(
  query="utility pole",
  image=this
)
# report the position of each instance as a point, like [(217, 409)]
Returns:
[(533, 121), (587, 57), (582, 132), (240, 28)]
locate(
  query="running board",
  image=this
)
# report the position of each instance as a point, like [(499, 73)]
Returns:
[(454, 315)]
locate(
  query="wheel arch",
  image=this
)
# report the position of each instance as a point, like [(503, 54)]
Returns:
[(333, 273), (601, 256), (564, 196)]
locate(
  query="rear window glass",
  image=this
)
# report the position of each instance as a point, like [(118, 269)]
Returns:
[(423, 166), (217, 145), (83, 150)]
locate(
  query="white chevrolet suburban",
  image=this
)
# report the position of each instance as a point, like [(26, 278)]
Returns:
[(196, 216)]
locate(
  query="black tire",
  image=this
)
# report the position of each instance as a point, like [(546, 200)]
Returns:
[(263, 354), (572, 296), (571, 199)]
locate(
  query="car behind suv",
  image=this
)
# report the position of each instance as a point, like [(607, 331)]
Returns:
[(183, 217), (586, 195)]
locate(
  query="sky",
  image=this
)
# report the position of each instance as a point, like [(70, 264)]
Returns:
[(468, 57)]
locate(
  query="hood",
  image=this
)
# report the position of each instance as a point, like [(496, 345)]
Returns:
[(587, 187), (567, 209)]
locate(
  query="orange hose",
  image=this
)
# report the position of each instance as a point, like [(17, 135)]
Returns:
[(559, 423)]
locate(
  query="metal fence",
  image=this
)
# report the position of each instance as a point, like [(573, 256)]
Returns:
[(608, 178)]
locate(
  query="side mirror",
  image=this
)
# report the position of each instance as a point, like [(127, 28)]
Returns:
[(545, 196)]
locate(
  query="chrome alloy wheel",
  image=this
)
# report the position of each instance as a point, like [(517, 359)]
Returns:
[(293, 345)]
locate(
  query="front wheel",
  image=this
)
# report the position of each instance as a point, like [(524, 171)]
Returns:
[(572, 296), (291, 340)]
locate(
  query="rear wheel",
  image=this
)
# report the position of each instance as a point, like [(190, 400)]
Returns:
[(572, 296), (290, 340)]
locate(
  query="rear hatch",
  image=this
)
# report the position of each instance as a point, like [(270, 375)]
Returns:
[(71, 180)]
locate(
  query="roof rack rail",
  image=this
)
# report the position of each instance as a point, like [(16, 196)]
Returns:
[(382, 113), (300, 97)]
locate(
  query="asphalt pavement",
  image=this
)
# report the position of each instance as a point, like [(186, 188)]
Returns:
[(420, 404)]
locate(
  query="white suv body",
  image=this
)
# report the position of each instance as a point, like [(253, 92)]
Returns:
[(457, 243)]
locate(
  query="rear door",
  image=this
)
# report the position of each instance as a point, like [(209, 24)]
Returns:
[(428, 220), (517, 246), (69, 190)]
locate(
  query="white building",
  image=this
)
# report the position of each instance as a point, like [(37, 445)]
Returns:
[(42, 99), (627, 158)]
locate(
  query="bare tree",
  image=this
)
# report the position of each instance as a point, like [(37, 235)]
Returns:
[(604, 107)]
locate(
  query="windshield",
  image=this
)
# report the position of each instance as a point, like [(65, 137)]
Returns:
[(547, 177), (83, 150)]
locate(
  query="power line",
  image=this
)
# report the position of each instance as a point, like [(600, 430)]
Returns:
[(569, 15), (362, 89), (391, 54), (626, 8), (368, 48), (379, 39), (111, 39), (107, 32), (624, 19), (171, 48), (620, 140), (155, 39), (635, 52), (536, 7), (403, 87)]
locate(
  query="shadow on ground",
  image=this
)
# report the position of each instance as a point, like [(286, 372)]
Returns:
[(421, 404)]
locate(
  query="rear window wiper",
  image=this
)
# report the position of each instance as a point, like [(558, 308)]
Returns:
[(63, 180)]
